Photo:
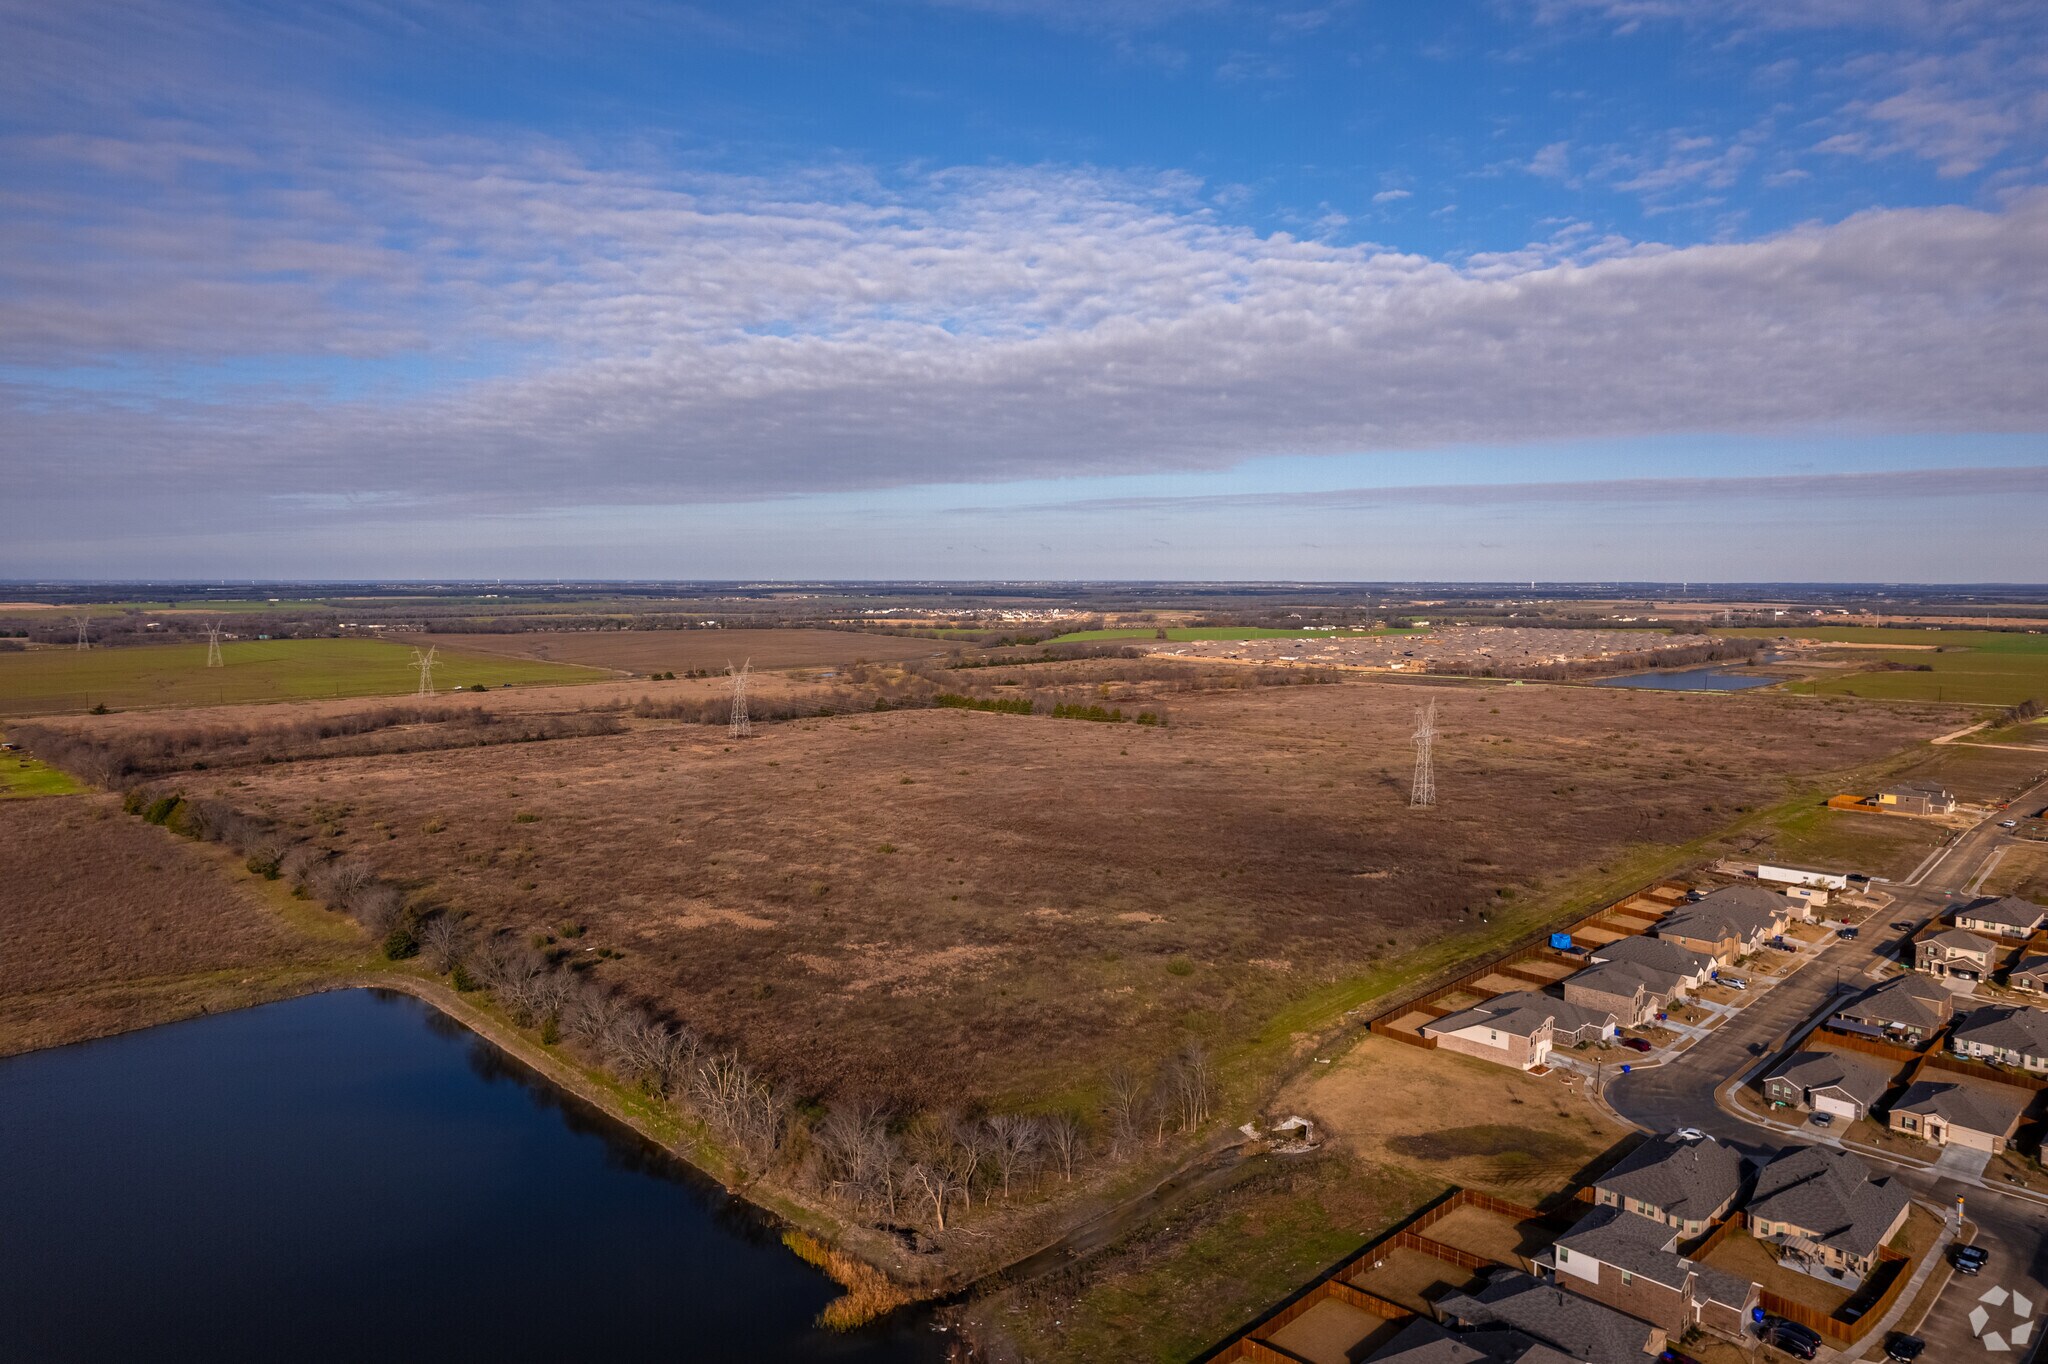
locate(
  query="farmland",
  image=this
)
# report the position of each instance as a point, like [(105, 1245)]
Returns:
[(648, 651), (931, 905), (1188, 633), (1975, 667), (23, 778), (52, 681)]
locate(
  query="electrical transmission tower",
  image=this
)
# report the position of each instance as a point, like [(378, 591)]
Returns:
[(1424, 794), (425, 663), (213, 659), (84, 623), (741, 727)]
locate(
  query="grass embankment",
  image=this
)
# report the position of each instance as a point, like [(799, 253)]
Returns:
[(51, 681), (1187, 633), (24, 779)]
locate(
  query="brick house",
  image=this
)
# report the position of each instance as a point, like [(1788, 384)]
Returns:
[(1840, 1083), (1578, 1327), (2029, 973), (1692, 969), (1960, 1110), (1916, 798), (2006, 917), (1908, 1010), (1632, 1264), (2005, 1034), (1684, 1184), (1956, 952), (1729, 923), (1821, 1205), (1631, 992), (1519, 1029)]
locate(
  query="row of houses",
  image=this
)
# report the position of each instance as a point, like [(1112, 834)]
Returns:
[(1626, 984), (1614, 1287), (1986, 939)]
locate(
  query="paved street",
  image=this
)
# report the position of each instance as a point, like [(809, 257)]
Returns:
[(1684, 1093)]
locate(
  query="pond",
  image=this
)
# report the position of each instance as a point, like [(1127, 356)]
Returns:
[(1709, 678), (351, 1176)]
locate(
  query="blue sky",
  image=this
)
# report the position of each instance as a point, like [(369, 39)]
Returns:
[(1026, 288)]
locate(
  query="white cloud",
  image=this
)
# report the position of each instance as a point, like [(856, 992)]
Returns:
[(1389, 196)]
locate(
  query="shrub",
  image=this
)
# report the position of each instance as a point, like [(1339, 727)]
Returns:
[(462, 980), (160, 809), (402, 941)]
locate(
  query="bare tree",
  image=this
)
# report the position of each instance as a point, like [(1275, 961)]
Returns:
[(1125, 1107), (1017, 1139), (1194, 1078), (441, 940), (934, 1187), (1064, 1139)]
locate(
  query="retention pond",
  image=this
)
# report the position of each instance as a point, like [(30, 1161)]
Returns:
[(1710, 678), (353, 1176)]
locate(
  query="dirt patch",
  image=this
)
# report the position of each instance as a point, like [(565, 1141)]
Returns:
[(1496, 1140)]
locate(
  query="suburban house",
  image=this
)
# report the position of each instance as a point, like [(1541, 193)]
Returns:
[(1979, 1114), (2009, 1035), (1578, 1327), (1519, 1029), (1908, 1009), (1956, 952), (1693, 969), (1916, 798), (1727, 924), (1841, 1083), (1684, 1184), (2029, 973), (2007, 917), (1631, 1264), (1422, 1341), (1821, 1205), (1632, 993)]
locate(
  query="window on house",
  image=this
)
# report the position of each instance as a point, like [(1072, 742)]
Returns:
[(1627, 1278)]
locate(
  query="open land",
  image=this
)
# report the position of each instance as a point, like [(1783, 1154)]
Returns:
[(55, 680), (1186, 633), (23, 778), (111, 924), (1976, 667), (648, 651), (1467, 647), (933, 904)]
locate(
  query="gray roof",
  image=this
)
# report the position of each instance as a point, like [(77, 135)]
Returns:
[(1731, 912), (1522, 1013), (1691, 1179), (1631, 1242), (1961, 940), (1980, 1105), (2033, 964), (1908, 999), (1422, 1341), (1658, 954), (2011, 1027), (1918, 788), (1830, 1195), (1862, 1078), (1581, 1328), (2010, 911), (1624, 978)]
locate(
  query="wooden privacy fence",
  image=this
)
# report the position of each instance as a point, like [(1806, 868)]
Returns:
[(1791, 1309)]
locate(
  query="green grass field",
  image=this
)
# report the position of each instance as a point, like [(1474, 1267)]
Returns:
[(50, 681), (1975, 667), (24, 778), (1186, 633)]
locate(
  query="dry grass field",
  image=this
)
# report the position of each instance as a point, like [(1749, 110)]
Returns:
[(932, 905), (106, 921), (649, 651)]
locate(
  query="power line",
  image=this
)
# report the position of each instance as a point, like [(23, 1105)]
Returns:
[(213, 659), (425, 663), (1424, 793), (741, 726), (84, 623)]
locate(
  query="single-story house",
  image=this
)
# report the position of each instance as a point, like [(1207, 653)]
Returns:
[(2007, 917), (1803, 876), (1838, 1082), (1908, 1010), (1916, 798), (1727, 924), (1693, 969), (2029, 973), (2009, 1035), (1956, 952), (1632, 1264), (1579, 1327), (1422, 1341), (1821, 1204), (1685, 1184), (1519, 1029), (1961, 1109), (1631, 992)]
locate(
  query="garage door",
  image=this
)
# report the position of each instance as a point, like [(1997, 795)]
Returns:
[(1841, 1108), (1976, 1141)]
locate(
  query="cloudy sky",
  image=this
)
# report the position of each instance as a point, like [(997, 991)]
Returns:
[(1709, 289)]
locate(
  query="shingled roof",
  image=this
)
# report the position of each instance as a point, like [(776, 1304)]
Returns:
[(1909, 1000), (1687, 1179), (1645, 1249), (1980, 1105), (1581, 1328), (1659, 954), (2004, 1026), (1960, 940), (1829, 1195), (1624, 978), (2019, 917), (1422, 1341), (1523, 1013), (1731, 912), (1861, 1078)]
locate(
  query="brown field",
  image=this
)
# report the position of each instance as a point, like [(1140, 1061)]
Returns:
[(107, 919), (649, 651), (935, 905), (1979, 774)]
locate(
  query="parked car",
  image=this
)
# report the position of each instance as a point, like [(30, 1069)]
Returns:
[(1756, 1049), (1902, 1348), (1734, 984), (1781, 945), (1969, 1259), (1636, 1044), (1820, 1119), (1689, 1134), (1674, 1357), (1903, 925), (2008, 824), (1849, 933), (1792, 1338)]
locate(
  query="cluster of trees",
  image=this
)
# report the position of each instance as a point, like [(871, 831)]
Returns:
[(115, 758)]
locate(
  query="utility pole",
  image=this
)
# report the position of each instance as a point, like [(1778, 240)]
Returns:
[(1423, 794), (741, 726), (84, 624), (213, 659), (425, 663)]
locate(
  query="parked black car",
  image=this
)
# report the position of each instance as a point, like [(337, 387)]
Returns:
[(1902, 1348), (1968, 1259), (1798, 1341)]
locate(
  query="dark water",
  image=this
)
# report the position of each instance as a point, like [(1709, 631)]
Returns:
[(1709, 678), (352, 1176)]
